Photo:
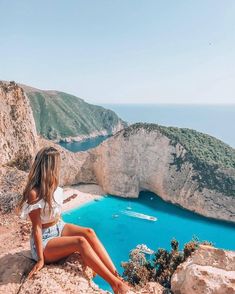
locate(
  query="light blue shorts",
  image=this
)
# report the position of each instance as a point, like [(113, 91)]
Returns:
[(47, 234)]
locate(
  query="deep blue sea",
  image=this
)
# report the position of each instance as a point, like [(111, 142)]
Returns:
[(120, 233)]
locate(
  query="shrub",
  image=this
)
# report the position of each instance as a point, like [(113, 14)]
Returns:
[(138, 270)]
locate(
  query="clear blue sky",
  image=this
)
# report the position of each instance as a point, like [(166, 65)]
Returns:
[(136, 51)]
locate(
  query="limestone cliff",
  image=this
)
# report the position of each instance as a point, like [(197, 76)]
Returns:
[(18, 137), (182, 166), (169, 162)]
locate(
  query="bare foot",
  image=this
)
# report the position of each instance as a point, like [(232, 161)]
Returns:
[(120, 288), (121, 278)]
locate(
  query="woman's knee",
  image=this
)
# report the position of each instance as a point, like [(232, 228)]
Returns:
[(81, 241), (90, 232)]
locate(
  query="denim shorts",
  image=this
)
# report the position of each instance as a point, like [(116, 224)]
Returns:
[(47, 234)]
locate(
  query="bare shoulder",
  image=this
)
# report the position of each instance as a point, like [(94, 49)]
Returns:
[(33, 196)]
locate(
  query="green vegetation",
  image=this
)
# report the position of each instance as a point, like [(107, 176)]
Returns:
[(211, 158), (138, 270), (204, 147), (61, 115)]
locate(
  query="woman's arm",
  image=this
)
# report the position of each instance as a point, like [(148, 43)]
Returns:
[(37, 233)]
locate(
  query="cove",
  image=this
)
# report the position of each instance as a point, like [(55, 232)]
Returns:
[(120, 233), (83, 145)]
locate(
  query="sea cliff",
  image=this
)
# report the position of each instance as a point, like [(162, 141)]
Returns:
[(60, 116), (166, 161), (182, 166)]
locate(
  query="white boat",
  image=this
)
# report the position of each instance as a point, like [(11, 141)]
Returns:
[(143, 248), (139, 215)]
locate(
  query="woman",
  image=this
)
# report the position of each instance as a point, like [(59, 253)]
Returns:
[(51, 238)]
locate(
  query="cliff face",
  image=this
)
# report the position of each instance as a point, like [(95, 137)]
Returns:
[(145, 157), (208, 270), (182, 166), (61, 116), (18, 137), (198, 175)]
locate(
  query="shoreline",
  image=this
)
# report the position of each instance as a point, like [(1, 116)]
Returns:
[(77, 195)]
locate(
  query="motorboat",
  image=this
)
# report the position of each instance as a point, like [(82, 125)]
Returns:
[(143, 248), (139, 215)]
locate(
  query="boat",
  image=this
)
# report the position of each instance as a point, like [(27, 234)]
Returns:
[(139, 215), (143, 248)]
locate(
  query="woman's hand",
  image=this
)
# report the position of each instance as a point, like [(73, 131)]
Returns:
[(39, 265)]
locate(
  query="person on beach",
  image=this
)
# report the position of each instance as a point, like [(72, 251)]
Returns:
[(52, 239)]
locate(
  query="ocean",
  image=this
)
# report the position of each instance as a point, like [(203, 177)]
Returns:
[(215, 120), (121, 233)]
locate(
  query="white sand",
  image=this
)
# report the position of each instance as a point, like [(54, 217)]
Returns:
[(83, 193)]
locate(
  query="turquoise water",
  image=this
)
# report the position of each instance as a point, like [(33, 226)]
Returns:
[(84, 144), (121, 234)]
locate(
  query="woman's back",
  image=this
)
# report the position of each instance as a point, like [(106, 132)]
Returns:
[(46, 217)]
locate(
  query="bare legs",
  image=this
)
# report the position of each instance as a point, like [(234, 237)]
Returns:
[(97, 246), (61, 247)]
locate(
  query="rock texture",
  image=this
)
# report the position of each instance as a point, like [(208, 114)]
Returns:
[(208, 271), (140, 157), (66, 276), (144, 157), (18, 137)]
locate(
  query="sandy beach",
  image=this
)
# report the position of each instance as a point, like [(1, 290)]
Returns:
[(78, 195)]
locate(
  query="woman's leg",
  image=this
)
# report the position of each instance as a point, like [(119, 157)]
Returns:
[(60, 247), (90, 235)]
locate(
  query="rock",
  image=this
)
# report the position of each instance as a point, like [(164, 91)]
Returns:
[(208, 271), (66, 276), (18, 136), (75, 167), (12, 183), (140, 157), (148, 157)]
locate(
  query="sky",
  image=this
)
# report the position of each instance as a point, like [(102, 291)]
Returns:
[(122, 51)]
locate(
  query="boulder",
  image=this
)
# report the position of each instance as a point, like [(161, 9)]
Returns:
[(208, 271)]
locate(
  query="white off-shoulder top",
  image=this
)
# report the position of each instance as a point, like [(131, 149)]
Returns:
[(45, 217)]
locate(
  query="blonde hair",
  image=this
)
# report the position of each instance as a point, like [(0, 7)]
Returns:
[(43, 175)]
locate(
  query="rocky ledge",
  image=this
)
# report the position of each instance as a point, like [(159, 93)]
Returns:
[(209, 270)]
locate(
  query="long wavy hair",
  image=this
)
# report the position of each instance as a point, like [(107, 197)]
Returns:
[(44, 176)]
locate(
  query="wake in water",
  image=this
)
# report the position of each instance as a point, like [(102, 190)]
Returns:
[(139, 215)]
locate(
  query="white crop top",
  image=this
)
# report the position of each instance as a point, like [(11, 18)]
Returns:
[(45, 217)]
